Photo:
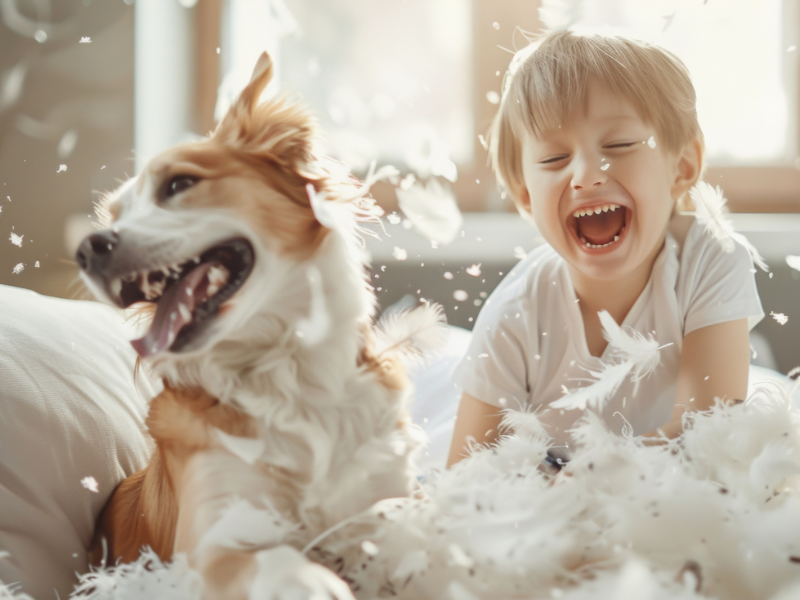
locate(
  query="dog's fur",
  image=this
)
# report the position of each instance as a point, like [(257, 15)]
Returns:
[(317, 412)]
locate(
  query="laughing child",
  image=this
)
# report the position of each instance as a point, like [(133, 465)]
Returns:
[(597, 141)]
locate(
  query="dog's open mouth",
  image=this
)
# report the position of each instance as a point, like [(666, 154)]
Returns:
[(187, 295)]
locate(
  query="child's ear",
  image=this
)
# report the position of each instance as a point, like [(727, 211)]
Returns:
[(690, 166), (524, 202)]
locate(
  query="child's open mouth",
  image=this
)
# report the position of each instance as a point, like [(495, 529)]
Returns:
[(599, 227)]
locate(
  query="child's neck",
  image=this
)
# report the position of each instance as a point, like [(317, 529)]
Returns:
[(615, 296)]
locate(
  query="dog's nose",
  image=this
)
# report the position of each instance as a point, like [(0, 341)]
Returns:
[(94, 253)]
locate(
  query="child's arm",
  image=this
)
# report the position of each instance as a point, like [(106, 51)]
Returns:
[(476, 420), (715, 361)]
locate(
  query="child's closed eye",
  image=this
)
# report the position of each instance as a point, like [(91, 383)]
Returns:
[(553, 159), (619, 145)]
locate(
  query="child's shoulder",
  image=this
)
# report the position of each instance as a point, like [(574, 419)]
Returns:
[(699, 252), (692, 238)]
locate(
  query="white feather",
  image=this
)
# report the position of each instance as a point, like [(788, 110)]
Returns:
[(148, 577), (432, 209), (12, 591), (642, 352), (525, 424), (710, 212), (416, 333), (607, 382), (634, 354), (560, 15), (411, 564)]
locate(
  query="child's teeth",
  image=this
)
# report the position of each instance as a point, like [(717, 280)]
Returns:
[(590, 245), (583, 212)]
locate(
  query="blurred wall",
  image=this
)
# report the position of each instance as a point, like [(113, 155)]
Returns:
[(66, 98)]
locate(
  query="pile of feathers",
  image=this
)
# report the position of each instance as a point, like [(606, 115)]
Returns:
[(712, 514)]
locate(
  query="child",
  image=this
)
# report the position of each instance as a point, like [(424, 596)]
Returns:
[(597, 141)]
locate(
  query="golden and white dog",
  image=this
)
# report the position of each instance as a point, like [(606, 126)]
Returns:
[(282, 414)]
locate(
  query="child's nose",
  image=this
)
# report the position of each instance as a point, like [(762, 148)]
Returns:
[(589, 171)]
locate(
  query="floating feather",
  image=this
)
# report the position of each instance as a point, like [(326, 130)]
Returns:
[(433, 210), (636, 357), (560, 15), (11, 591), (710, 212), (524, 424), (793, 261), (413, 333)]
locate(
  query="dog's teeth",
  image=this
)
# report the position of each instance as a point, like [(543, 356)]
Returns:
[(116, 288), (616, 237), (217, 276), (145, 286), (196, 259), (186, 315), (157, 288), (189, 291), (212, 289)]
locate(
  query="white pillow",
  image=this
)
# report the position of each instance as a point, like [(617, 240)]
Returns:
[(69, 409)]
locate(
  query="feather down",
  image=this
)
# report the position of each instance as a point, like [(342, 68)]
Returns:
[(636, 356), (710, 212), (416, 333)]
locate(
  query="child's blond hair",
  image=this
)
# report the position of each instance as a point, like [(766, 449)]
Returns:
[(549, 78)]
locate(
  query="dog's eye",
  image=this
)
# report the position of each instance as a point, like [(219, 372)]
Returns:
[(179, 183)]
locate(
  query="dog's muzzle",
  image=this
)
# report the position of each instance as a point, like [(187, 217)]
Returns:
[(95, 252)]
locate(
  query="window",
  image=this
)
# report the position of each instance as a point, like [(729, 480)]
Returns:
[(414, 82)]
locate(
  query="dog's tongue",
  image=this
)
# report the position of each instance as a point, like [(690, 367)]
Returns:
[(189, 291), (601, 228)]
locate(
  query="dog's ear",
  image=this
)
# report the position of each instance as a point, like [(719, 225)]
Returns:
[(238, 115), (279, 130), (262, 75)]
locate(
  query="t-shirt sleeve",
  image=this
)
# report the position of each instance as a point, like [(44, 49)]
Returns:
[(495, 369), (718, 286)]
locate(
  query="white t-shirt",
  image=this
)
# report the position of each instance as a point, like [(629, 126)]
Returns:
[(528, 342)]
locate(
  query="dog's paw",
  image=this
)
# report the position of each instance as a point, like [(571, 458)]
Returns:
[(285, 574)]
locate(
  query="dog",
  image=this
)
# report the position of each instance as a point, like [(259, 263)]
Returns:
[(283, 410)]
